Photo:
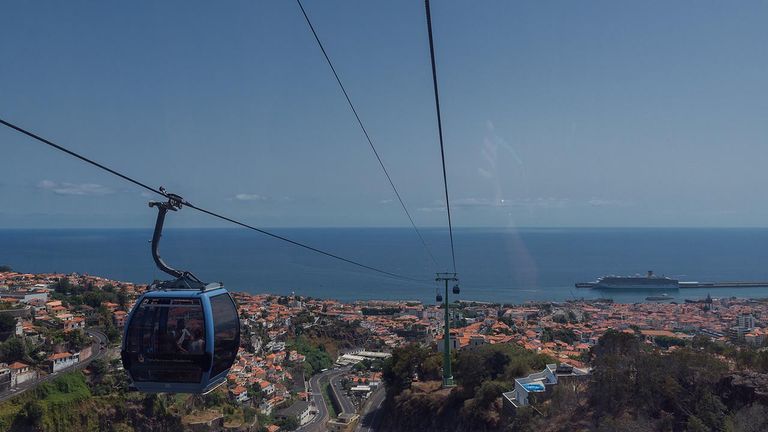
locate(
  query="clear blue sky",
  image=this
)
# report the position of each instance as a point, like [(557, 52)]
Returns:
[(557, 113)]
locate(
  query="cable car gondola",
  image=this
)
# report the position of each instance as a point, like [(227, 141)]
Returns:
[(182, 335)]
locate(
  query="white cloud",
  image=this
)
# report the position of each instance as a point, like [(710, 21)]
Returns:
[(470, 203), (502, 202), (386, 201), (475, 203), (599, 202), (250, 197), (431, 209), (75, 188)]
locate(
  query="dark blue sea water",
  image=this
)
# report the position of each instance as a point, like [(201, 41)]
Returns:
[(503, 265)]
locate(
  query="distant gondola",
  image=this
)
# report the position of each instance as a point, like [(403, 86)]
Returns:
[(182, 336)]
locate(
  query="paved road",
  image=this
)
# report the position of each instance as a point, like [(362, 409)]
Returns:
[(370, 418), (98, 337), (316, 383), (347, 407)]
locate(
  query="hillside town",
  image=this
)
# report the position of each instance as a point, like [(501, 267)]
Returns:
[(350, 340)]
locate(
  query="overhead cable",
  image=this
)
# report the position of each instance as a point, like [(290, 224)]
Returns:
[(440, 127), (365, 132), (200, 209)]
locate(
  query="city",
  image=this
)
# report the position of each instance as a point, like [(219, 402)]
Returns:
[(310, 364)]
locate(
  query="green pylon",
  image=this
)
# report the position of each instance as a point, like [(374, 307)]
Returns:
[(447, 373)]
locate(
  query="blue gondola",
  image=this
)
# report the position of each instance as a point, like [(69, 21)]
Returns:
[(182, 336)]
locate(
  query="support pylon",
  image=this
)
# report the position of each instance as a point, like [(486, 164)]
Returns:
[(447, 373)]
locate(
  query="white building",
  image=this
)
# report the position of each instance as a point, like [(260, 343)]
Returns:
[(452, 341), (21, 373), (540, 383), (240, 394), (355, 357), (27, 296), (363, 390), (300, 410), (746, 321), (59, 361), (476, 341), (755, 337)]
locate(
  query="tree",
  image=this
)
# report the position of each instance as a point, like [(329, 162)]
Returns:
[(753, 418), (668, 341), (316, 358), (5, 269), (63, 286), (77, 340), (113, 334), (249, 414), (696, 425), (122, 298), (33, 411), (399, 369), (288, 423), (213, 399), (13, 350), (7, 323), (99, 367), (615, 357)]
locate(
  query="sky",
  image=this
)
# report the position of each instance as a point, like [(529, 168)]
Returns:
[(556, 113)]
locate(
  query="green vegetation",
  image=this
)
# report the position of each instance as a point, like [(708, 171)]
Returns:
[(668, 341), (287, 423), (13, 349), (5, 269), (633, 387), (7, 323), (303, 317), (88, 297), (380, 311), (565, 335), (665, 390), (101, 402), (482, 375), (332, 412), (77, 340), (317, 358), (407, 362), (369, 365), (49, 407), (339, 335), (88, 294)]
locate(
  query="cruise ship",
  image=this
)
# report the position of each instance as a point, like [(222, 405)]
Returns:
[(649, 281)]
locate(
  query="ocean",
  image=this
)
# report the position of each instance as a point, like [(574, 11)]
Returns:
[(499, 265)]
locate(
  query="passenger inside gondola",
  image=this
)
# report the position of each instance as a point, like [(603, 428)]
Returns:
[(168, 340), (181, 335), (197, 346)]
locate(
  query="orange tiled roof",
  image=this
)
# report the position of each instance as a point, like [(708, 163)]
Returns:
[(61, 355)]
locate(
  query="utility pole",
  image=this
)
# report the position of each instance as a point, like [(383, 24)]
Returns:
[(447, 373)]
